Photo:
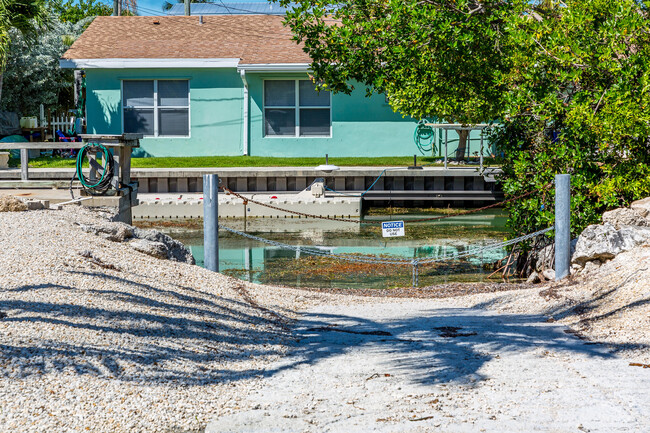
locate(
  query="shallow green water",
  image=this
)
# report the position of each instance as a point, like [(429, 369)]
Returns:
[(254, 261)]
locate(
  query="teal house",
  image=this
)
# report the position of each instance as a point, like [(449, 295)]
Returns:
[(224, 85)]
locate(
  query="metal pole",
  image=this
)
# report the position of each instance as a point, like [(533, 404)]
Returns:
[(187, 7), (562, 225), (116, 7), (481, 152), (24, 164), (211, 221), (446, 150)]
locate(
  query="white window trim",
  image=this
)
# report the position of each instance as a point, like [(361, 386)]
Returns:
[(297, 107), (155, 107)]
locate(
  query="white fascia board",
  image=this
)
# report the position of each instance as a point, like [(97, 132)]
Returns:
[(148, 63), (274, 67)]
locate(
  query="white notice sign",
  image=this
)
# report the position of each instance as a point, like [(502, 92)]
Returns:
[(391, 229)]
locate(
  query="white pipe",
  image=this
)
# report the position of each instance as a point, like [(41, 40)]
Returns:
[(242, 74)]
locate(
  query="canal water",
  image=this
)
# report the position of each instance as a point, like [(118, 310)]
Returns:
[(262, 263)]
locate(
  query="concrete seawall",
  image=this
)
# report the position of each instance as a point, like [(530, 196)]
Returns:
[(455, 186)]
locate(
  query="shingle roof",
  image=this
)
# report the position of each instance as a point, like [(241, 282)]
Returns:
[(255, 39)]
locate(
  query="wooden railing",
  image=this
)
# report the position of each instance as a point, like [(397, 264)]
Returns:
[(121, 146)]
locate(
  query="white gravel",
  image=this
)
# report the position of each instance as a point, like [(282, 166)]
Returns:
[(119, 341), (98, 337), (431, 365)]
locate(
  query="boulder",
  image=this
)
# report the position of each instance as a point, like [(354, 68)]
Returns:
[(533, 278), (604, 242), (154, 249), (642, 206), (591, 267), (622, 217), (113, 231), (10, 203), (150, 242), (549, 274), (175, 249), (545, 258)]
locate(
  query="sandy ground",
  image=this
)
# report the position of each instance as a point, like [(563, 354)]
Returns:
[(432, 366)]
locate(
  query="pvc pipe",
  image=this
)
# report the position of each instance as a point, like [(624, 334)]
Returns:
[(242, 74), (211, 222), (562, 225)]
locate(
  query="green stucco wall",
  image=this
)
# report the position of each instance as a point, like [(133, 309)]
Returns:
[(216, 97), (361, 126)]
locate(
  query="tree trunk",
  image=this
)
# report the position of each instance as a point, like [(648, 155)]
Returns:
[(462, 144)]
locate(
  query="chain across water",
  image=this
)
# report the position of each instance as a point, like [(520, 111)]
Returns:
[(384, 260), (347, 220)]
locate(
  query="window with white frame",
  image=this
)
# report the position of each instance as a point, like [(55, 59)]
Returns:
[(293, 108), (157, 108)]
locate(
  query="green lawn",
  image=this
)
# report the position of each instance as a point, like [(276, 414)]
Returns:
[(245, 161)]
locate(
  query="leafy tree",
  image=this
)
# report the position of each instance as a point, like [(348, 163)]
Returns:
[(25, 16), (33, 73), (578, 102), (432, 58), (73, 11), (569, 83)]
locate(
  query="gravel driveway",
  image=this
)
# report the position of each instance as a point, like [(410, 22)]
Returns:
[(423, 366)]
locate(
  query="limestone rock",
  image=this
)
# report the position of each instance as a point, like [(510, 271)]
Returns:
[(591, 267), (626, 217), (533, 278), (545, 258), (37, 204), (153, 242), (175, 249), (604, 242), (11, 204), (643, 206), (152, 248), (113, 231), (549, 274)]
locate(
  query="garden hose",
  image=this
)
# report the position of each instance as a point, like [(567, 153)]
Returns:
[(102, 185), (424, 137)]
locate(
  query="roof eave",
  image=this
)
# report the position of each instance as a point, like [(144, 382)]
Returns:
[(274, 67), (148, 63)]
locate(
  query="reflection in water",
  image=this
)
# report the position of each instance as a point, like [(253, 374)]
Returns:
[(258, 262)]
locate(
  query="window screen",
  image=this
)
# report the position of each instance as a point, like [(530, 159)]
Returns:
[(156, 107), (294, 108)]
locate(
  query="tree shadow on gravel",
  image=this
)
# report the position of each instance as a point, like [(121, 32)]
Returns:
[(137, 332), (439, 346), (134, 332)]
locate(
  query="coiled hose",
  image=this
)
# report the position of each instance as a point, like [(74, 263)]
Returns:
[(424, 137), (107, 171)]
